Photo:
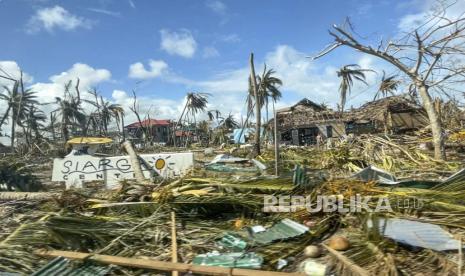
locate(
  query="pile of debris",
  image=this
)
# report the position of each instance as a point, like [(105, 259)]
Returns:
[(241, 221)]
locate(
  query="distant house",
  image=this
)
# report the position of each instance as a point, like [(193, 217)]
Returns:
[(159, 130), (301, 123)]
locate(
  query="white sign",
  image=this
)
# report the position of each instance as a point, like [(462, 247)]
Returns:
[(75, 170)]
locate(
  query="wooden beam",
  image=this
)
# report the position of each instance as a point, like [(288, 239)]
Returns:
[(174, 244), (161, 265)]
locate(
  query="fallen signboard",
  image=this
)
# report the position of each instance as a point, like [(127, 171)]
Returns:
[(76, 169)]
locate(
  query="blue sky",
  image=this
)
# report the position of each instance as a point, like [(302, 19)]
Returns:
[(163, 49)]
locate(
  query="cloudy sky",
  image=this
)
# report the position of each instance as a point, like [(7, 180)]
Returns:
[(163, 49)]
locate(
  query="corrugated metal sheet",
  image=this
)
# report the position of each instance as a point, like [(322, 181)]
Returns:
[(372, 173), (62, 266), (283, 230), (418, 234), (239, 260)]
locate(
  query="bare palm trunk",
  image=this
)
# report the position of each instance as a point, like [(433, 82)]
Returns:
[(257, 105), (52, 126), (276, 145), (122, 127), (177, 123), (64, 129), (13, 130)]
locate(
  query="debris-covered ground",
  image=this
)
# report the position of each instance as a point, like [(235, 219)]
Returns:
[(221, 219)]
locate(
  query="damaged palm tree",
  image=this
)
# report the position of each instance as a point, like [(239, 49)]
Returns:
[(348, 74), (426, 56)]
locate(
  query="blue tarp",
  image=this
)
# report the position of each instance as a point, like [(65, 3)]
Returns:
[(240, 139)]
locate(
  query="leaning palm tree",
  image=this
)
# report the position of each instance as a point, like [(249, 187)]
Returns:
[(348, 74), (387, 86), (18, 102), (195, 103)]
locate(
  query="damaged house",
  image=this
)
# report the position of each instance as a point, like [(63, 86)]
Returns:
[(302, 123), (391, 115)]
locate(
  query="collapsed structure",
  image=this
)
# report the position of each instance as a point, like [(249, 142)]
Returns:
[(302, 123)]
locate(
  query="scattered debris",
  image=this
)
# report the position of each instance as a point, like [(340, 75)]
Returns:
[(313, 268), (372, 173), (240, 260), (418, 234), (282, 230)]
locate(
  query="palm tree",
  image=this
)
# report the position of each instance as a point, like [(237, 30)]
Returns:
[(117, 112), (229, 122), (18, 101), (106, 111), (33, 123), (267, 89), (71, 114), (195, 103), (268, 85), (348, 74), (387, 86)]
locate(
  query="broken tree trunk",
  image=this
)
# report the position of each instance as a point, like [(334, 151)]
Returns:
[(436, 128), (27, 196), (135, 163)]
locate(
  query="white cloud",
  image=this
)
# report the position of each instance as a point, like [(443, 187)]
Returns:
[(216, 6), (301, 77), (219, 8), (429, 8), (180, 43), (88, 78), (210, 52), (56, 17), (138, 71), (11, 69), (232, 38), (105, 12), (156, 108)]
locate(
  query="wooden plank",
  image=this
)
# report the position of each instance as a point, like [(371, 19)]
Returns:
[(161, 265), (174, 244)]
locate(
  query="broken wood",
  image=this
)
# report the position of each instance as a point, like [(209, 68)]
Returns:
[(27, 195), (174, 245), (162, 266)]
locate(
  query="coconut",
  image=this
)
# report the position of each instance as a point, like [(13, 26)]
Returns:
[(309, 223), (312, 251), (339, 243)]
